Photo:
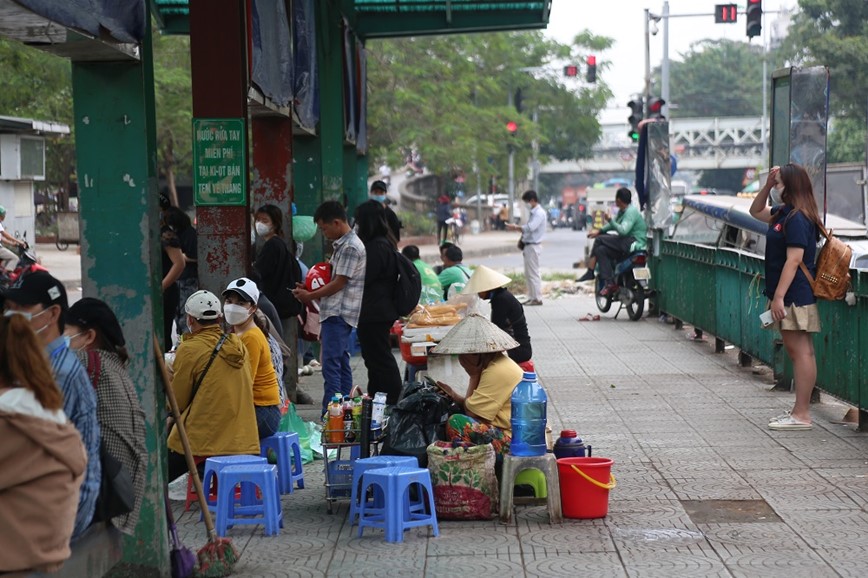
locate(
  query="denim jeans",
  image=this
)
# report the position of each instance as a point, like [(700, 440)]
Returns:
[(336, 373)]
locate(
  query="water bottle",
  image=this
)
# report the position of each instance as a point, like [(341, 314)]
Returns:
[(570, 445), (378, 412), (528, 417)]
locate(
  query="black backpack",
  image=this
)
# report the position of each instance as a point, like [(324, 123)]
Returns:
[(408, 286), (286, 304)]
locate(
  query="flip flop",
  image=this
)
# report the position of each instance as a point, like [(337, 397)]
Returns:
[(789, 423), (590, 317)]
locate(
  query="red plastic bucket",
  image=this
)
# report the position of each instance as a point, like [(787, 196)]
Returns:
[(585, 485)]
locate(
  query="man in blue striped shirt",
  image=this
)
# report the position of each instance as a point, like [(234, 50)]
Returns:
[(42, 299)]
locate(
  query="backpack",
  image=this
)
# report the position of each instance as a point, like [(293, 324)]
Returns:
[(833, 269), (286, 303), (408, 286)]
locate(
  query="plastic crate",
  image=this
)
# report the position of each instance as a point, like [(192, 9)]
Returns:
[(340, 478)]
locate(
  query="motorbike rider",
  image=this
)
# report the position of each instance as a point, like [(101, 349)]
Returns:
[(630, 229), (7, 257)]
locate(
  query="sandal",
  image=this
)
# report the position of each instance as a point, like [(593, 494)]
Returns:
[(779, 417), (789, 423), (590, 317)]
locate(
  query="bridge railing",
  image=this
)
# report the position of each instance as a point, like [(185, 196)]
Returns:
[(719, 291)]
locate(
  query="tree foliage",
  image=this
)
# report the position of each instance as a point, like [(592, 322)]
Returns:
[(448, 98)]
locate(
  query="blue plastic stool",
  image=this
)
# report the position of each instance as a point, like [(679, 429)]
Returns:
[(262, 475), (288, 450), (363, 465), (398, 514), (215, 464)]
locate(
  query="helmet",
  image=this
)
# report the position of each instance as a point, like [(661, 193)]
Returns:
[(2, 210), (318, 275)]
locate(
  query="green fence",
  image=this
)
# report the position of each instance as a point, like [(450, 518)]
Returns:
[(720, 291)]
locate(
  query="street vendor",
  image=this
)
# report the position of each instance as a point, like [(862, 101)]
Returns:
[(480, 347), (506, 312)]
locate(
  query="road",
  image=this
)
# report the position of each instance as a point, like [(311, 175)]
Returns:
[(561, 248)]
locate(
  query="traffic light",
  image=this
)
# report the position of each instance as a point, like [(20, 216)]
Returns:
[(512, 128), (754, 18), (591, 74), (655, 107), (571, 70), (635, 118), (725, 13)]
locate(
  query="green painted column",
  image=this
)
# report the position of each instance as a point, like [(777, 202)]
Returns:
[(331, 131), (307, 187), (120, 253)]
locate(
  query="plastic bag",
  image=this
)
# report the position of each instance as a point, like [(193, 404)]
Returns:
[(290, 422), (417, 420), (465, 484)]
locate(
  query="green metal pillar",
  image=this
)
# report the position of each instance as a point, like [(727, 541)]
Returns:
[(120, 253), (307, 187)]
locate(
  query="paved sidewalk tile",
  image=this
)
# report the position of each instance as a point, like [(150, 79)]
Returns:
[(703, 487)]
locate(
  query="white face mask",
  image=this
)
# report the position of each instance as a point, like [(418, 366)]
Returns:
[(30, 317), (235, 314), (777, 195), (262, 229)]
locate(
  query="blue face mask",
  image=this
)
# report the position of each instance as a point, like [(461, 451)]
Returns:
[(379, 198)]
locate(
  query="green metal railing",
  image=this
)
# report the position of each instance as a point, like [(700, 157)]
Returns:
[(719, 291)]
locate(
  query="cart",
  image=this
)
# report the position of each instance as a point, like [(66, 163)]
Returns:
[(339, 471), (67, 230)]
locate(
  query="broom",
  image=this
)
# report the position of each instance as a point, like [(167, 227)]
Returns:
[(218, 556)]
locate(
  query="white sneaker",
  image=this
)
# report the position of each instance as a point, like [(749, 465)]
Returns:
[(315, 365), (178, 488)]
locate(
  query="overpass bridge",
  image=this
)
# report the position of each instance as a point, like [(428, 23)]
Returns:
[(698, 144)]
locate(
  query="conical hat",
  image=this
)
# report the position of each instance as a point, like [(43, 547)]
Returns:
[(475, 334), (485, 279)]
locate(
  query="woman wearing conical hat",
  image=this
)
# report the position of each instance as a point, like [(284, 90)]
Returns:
[(506, 312), (481, 346)]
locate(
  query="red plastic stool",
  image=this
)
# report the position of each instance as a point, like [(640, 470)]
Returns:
[(192, 498)]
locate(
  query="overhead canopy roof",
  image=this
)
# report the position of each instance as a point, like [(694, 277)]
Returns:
[(394, 18)]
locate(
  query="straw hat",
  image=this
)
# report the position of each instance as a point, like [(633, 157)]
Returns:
[(485, 279), (475, 334)]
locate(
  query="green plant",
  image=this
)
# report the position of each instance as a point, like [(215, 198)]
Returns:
[(415, 224)]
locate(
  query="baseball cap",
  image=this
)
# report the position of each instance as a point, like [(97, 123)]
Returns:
[(203, 305), (38, 288), (379, 185), (244, 287), (90, 313)]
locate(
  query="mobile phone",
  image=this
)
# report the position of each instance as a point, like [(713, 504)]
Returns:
[(766, 318)]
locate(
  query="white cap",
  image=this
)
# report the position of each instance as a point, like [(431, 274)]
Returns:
[(203, 305), (246, 288)]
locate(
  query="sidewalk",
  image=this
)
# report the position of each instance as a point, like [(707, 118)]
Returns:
[(704, 488)]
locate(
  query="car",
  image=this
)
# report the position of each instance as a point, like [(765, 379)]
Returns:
[(487, 200)]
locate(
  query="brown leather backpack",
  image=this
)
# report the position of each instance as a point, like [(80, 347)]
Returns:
[(833, 269)]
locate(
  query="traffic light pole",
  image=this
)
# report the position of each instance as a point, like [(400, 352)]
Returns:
[(511, 182)]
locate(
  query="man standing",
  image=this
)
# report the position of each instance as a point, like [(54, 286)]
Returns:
[(532, 234), (7, 256), (42, 299), (340, 298), (214, 387), (378, 193), (609, 249)]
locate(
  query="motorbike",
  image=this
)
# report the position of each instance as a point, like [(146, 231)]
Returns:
[(27, 263), (631, 276)]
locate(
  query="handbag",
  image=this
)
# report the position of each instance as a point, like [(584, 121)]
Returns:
[(116, 493), (520, 245)]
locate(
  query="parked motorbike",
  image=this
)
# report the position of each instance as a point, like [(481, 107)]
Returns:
[(631, 276), (27, 263)]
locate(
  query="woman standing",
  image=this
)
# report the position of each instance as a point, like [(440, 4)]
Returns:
[(791, 240), (42, 455), (94, 331), (378, 312), (188, 281), (239, 310), (273, 265), (173, 268)]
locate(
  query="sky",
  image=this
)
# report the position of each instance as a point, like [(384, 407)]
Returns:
[(624, 20)]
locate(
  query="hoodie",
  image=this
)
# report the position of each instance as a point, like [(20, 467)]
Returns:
[(42, 466), (220, 420)]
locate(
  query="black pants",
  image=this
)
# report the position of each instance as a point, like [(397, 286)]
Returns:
[(178, 466), (442, 231), (383, 373), (609, 249)]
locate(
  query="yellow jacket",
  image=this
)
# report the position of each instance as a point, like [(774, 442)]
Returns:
[(221, 419)]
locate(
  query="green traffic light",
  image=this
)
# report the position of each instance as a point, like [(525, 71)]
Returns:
[(634, 135)]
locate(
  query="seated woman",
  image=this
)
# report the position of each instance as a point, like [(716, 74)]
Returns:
[(239, 309), (94, 331), (43, 459), (506, 312), (480, 347)]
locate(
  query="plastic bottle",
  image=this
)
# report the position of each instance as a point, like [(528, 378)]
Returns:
[(378, 413), (570, 445), (336, 421), (349, 433), (357, 413), (528, 417)]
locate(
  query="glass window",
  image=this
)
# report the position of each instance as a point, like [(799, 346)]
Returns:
[(697, 227)]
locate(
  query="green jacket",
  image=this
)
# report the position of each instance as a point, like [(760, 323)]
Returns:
[(630, 223)]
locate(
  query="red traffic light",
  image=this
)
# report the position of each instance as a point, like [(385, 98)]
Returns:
[(512, 127), (571, 70), (592, 60), (725, 13), (655, 106)]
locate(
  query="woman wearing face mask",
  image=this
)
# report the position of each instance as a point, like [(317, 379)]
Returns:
[(791, 239), (239, 308), (275, 266), (94, 331)]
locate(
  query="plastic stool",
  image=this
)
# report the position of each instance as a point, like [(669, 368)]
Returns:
[(548, 465), (363, 465), (262, 475), (192, 498), (288, 450), (398, 513), (213, 467), (534, 478)]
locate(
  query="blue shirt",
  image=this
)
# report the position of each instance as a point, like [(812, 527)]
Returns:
[(79, 405), (797, 231)]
